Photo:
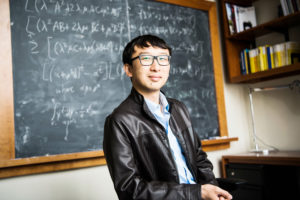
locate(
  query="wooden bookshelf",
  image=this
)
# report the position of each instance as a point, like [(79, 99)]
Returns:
[(277, 25), (234, 44), (280, 72)]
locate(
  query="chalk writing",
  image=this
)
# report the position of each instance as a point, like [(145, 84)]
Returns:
[(68, 73)]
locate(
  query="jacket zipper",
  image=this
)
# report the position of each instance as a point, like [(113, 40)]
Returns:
[(174, 163), (185, 154), (168, 143)]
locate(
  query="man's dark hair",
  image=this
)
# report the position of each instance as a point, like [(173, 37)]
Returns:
[(142, 42)]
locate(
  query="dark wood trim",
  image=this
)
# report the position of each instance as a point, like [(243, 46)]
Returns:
[(287, 158), (284, 71), (217, 144)]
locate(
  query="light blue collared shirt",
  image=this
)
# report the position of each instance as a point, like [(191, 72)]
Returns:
[(163, 117)]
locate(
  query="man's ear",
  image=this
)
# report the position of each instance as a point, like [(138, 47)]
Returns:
[(128, 69)]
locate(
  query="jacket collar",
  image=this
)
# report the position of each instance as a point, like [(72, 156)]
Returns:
[(139, 99), (136, 96)]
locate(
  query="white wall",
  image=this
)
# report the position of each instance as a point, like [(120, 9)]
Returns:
[(277, 114), (277, 119), (92, 183)]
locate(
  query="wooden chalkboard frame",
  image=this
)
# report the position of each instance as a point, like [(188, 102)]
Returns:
[(10, 166)]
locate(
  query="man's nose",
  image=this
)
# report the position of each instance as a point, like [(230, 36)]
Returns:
[(155, 66)]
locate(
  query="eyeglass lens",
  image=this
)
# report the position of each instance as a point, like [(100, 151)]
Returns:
[(148, 59)]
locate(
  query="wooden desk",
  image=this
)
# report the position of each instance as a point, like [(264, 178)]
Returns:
[(290, 158), (268, 176)]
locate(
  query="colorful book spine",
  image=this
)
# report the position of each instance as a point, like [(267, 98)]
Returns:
[(242, 63), (292, 49), (284, 7), (230, 18), (270, 57), (279, 54), (233, 18), (247, 62), (290, 6), (263, 61), (253, 57), (236, 16)]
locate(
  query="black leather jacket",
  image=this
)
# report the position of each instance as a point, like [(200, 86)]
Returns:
[(138, 156)]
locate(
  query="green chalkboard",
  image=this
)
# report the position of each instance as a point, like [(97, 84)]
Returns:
[(67, 68)]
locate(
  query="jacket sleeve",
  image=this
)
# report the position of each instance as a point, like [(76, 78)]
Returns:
[(204, 167), (128, 182)]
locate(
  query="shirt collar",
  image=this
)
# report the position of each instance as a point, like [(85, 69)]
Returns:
[(163, 101)]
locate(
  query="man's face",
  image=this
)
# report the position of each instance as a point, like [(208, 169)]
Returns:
[(148, 79)]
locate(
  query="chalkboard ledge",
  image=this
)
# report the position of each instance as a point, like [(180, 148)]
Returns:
[(36, 165), (217, 143)]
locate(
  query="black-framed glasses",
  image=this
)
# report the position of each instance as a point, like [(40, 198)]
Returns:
[(147, 60)]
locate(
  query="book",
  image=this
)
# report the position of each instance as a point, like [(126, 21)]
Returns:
[(270, 57), (236, 18), (284, 6), (279, 54), (240, 18), (247, 62), (298, 4), (233, 18), (263, 60), (286, 53), (245, 17), (291, 49), (295, 58), (242, 63), (254, 62), (230, 18), (295, 6), (290, 6)]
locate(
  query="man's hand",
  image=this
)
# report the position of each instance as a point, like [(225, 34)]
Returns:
[(211, 192)]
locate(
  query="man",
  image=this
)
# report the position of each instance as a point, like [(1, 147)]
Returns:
[(150, 147)]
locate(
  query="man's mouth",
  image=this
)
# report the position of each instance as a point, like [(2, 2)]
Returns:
[(155, 78)]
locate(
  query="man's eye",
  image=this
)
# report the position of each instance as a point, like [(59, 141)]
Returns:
[(146, 58), (163, 58)]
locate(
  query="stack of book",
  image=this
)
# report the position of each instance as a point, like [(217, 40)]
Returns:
[(290, 6), (269, 57), (240, 18)]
